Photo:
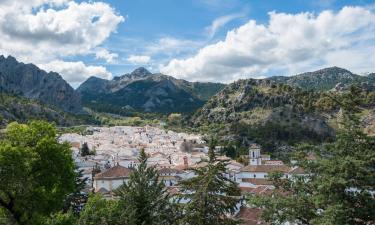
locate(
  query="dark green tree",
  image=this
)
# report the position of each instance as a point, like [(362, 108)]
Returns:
[(338, 184), (144, 199), (61, 218), (211, 196), (77, 198), (100, 211), (36, 172), (85, 149)]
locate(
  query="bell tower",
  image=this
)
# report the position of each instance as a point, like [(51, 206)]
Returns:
[(254, 155)]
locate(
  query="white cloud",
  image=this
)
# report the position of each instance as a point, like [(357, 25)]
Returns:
[(172, 46), (289, 42), (41, 31), (76, 72), (139, 59), (220, 22), (106, 55)]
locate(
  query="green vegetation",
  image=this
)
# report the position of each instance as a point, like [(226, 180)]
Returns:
[(212, 196), (275, 115), (337, 187), (144, 199), (36, 172)]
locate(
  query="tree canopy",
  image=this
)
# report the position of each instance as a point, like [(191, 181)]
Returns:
[(36, 172)]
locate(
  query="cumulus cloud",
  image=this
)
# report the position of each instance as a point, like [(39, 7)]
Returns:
[(106, 55), (41, 31), (139, 59), (172, 46), (76, 72), (288, 42)]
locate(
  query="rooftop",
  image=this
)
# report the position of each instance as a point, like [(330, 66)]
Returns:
[(114, 172)]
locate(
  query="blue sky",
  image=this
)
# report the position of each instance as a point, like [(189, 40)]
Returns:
[(148, 21), (204, 40)]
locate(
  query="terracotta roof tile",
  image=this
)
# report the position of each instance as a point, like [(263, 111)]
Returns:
[(265, 168), (257, 181), (250, 216), (297, 170), (114, 172)]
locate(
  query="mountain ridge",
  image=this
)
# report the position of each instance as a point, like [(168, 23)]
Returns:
[(155, 92), (30, 81)]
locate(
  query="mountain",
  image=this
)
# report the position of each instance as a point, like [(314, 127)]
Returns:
[(143, 91), (265, 111), (21, 109), (278, 115), (325, 79), (28, 81)]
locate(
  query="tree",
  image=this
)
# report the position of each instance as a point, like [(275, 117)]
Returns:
[(61, 218), (211, 196), (77, 198), (36, 171), (144, 199), (99, 210), (85, 150), (174, 119), (338, 184)]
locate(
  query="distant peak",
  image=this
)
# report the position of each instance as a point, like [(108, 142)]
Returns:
[(335, 68), (141, 71)]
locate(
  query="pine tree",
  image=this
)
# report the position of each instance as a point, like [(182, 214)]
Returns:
[(77, 199), (337, 187), (85, 149), (144, 199), (212, 198)]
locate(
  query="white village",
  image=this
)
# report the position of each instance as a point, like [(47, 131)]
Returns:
[(174, 155)]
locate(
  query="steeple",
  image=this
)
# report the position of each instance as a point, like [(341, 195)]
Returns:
[(254, 155)]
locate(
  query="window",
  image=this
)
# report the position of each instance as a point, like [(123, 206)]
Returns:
[(255, 176), (253, 154)]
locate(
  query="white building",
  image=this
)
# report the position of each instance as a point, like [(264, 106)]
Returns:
[(256, 173), (111, 179)]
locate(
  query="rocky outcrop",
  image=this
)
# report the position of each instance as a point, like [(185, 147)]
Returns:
[(29, 81)]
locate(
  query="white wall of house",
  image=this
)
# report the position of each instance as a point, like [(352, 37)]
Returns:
[(108, 184), (253, 175)]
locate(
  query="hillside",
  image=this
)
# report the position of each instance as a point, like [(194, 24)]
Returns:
[(146, 92), (274, 114), (15, 108), (325, 79), (28, 81)]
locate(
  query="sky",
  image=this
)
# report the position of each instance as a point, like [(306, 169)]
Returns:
[(195, 40)]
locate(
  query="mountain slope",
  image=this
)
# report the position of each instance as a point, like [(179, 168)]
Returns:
[(15, 108), (146, 92), (29, 81), (272, 114), (324, 79)]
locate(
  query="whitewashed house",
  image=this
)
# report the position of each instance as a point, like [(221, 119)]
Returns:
[(256, 173), (111, 179)]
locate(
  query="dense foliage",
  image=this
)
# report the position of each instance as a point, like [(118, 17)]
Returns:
[(339, 185), (144, 198), (37, 172), (211, 197)]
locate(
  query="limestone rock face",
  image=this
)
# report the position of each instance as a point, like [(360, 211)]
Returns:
[(29, 81)]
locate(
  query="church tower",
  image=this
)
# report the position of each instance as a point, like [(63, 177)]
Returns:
[(254, 155)]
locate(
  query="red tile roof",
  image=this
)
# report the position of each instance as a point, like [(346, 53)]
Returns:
[(296, 171), (250, 216), (265, 168), (114, 173), (257, 181)]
